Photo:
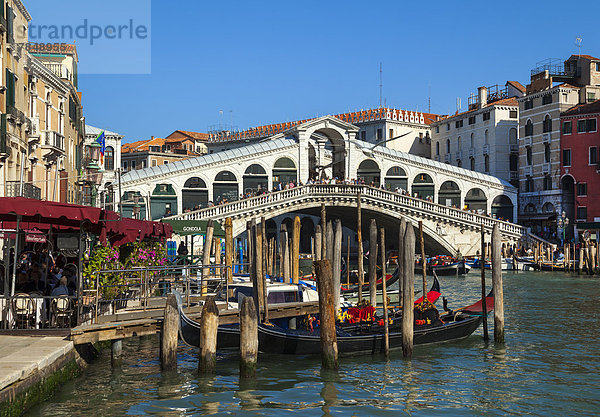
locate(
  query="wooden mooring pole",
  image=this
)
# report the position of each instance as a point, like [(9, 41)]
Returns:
[(209, 322), (229, 249), (386, 330), (248, 338), (206, 256), (408, 295), (329, 348), (296, 250), (323, 232), (401, 232), (373, 262), (497, 285), (360, 267), (486, 335), (424, 260), (169, 334), (318, 242), (348, 263), (337, 264)]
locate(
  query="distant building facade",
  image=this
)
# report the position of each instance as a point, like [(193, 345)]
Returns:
[(484, 138), (580, 164), (554, 88), (157, 151), (109, 164)]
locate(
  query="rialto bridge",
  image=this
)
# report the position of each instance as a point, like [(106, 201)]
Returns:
[(451, 201)]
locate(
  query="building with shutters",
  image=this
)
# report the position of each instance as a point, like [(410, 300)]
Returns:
[(41, 122), (555, 87), (109, 164), (580, 164)]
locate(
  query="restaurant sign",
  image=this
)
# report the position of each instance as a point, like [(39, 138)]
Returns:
[(35, 238)]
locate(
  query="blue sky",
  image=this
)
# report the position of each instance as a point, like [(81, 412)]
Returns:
[(263, 62)]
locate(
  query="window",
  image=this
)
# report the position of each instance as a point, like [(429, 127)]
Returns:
[(590, 125), (165, 162), (547, 182), (597, 66), (546, 152), (437, 148), (486, 116), (593, 155), (513, 114), (472, 140), (133, 164), (109, 159), (486, 137), (581, 213), (447, 145), (591, 96), (566, 158), (153, 162), (459, 163), (529, 104), (125, 165), (363, 135), (144, 163), (391, 133), (529, 128), (529, 185), (486, 159), (580, 126), (472, 120), (447, 126), (472, 164), (459, 123), (547, 99), (581, 189), (437, 129), (547, 124), (529, 156), (379, 134), (567, 128), (514, 162)]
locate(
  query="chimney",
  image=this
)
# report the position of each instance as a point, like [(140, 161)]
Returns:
[(482, 93), (152, 137)]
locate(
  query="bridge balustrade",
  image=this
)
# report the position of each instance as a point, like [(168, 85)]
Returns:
[(292, 195)]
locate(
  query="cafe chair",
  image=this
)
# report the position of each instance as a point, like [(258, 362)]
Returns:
[(23, 309), (61, 312)]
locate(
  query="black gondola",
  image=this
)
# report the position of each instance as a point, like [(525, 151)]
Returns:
[(391, 279)]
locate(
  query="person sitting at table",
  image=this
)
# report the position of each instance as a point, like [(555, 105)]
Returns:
[(61, 289)]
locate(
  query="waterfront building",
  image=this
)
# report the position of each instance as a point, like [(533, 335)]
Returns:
[(401, 130), (109, 164), (199, 140), (156, 151), (555, 87), (580, 164), (483, 138), (41, 126)]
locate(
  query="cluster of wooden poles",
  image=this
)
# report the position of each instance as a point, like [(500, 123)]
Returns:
[(327, 259), (588, 259)]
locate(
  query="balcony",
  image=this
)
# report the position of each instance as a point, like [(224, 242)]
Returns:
[(15, 115), (547, 137), (514, 175), (528, 171), (513, 148), (54, 140), (59, 70), (13, 189), (459, 155), (527, 140), (3, 24), (471, 152), (437, 158), (32, 127), (546, 167), (486, 149), (447, 158)]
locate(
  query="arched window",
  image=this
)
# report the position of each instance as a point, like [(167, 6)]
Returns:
[(61, 118), (437, 148), (472, 140), (512, 136), (255, 179), (395, 178), (529, 128), (487, 137), (447, 145), (225, 187), (109, 159), (194, 194), (459, 143), (547, 124), (284, 172)]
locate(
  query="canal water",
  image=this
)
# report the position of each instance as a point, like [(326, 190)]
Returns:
[(549, 366)]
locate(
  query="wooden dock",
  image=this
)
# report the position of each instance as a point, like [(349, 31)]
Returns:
[(141, 323)]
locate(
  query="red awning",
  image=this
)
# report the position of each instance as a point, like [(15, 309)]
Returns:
[(106, 224)]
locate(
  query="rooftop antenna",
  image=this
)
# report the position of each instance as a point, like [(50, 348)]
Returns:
[(579, 42), (458, 104), (429, 100), (380, 84)]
